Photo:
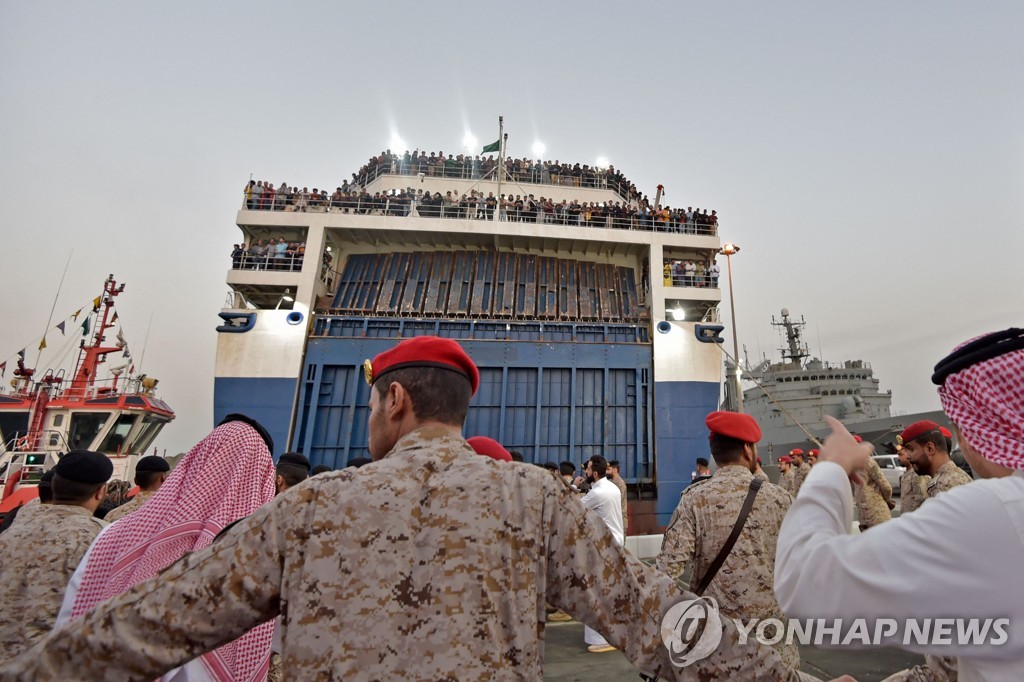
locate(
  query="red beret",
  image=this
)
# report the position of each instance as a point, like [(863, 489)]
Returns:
[(490, 447), (423, 351), (785, 458), (812, 453), (735, 425), (945, 432), (796, 451), (917, 429)]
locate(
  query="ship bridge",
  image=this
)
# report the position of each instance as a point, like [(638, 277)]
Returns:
[(582, 350)]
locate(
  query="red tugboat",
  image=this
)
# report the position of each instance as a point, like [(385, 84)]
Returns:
[(42, 418)]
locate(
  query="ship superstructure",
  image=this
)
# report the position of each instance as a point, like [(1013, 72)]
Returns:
[(581, 350), (111, 410), (800, 391)]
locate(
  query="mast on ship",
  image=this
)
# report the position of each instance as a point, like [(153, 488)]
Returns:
[(796, 350), (94, 354)]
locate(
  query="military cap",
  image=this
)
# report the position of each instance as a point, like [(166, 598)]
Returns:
[(84, 466), (785, 458), (152, 463), (734, 425), (550, 466), (796, 452), (812, 453), (916, 430), (945, 432), (423, 351), (359, 462), (489, 447), (294, 459)]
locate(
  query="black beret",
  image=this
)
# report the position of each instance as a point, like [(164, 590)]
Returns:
[(294, 459), (235, 417), (321, 469), (359, 462), (46, 480), (152, 463), (84, 466)]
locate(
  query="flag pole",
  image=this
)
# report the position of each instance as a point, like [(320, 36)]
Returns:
[(54, 306), (501, 162)]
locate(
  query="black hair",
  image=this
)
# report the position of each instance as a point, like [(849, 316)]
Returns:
[(702, 462), (66, 491), (725, 449), (436, 394), (599, 465), (567, 468), (145, 479)]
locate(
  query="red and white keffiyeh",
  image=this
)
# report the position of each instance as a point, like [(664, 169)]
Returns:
[(227, 476), (986, 402)]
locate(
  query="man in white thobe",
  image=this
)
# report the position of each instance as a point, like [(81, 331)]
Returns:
[(964, 549), (605, 499)]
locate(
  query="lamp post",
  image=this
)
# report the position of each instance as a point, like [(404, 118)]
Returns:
[(728, 249)]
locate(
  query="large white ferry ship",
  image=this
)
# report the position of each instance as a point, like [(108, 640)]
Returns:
[(581, 351)]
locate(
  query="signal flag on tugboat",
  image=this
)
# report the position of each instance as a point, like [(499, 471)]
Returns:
[(3, 368), (85, 327), (21, 354), (114, 319), (42, 344), (61, 327), (96, 304), (77, 313)]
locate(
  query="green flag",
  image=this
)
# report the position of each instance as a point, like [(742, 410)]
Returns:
[(494, 147), (85, 327)]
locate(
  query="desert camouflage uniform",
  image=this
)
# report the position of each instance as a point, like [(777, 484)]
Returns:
[(873, 497), (948, 476), (913, 490), (128, 507), (799, 476), (621, 485), (38, 555), (400, 570), (787, 481), (704, 519)]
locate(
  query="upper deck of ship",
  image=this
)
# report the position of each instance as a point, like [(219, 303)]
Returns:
[(559, 210)]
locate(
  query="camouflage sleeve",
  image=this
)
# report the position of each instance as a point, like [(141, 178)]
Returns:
[(878, 477), (593, 578), (677, 544), (206, 599)]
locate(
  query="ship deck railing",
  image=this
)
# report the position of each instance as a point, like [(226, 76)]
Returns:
[(406, 209), (535, 175), (250, 261)]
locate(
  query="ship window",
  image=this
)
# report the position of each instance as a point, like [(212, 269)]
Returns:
[(58, 419), (85, 426), (13, 425), (151, 426), (114, 442)]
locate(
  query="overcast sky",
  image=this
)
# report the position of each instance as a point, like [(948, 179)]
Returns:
[(867, 157)]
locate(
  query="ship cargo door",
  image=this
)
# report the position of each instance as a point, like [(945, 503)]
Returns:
[(547, 395)]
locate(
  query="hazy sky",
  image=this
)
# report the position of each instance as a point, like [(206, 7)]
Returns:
[(867, 157)]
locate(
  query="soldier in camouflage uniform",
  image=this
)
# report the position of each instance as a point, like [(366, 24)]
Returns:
[(431, 563), (926, 448), (800, 470), (705, 517), (873, 496), (150, 474), (787, 477), (41, 551), (913, 488)]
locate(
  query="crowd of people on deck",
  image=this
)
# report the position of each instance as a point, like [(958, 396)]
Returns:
[(476, 205), (230, 566), (273, 254), (470, 167), (691, 273)]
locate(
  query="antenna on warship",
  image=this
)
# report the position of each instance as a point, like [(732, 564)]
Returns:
[(795, 350)]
